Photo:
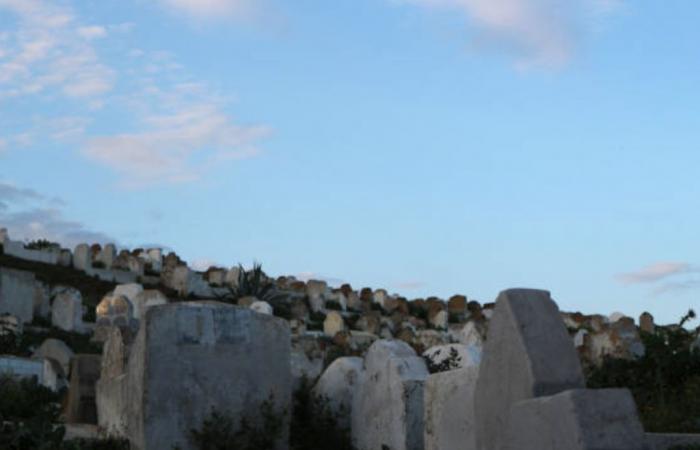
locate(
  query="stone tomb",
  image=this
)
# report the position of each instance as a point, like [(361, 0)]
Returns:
[(190, 357), (387, 411)]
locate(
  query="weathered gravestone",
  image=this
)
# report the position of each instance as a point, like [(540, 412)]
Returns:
[(111, 387), (337, 387), (190, 357), (528, 353), (84, 373), (67, 310), (17, 289), (58, 351), (387, 410), (81, 257), (580, 419), (449, 409)]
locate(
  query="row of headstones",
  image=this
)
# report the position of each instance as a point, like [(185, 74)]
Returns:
[(528, 392)]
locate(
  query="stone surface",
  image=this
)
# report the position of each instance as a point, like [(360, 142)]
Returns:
[(84, 373), (58, 351), (81, 257), (129, 290), (646, 323), (114, 311), (333, 323), (449, 410), (67, 310), (191, 356), (147, 299), (528, 353), (337, 387), (580, 419), (17, 293), (111, 393), (387, 411), (261, 307)]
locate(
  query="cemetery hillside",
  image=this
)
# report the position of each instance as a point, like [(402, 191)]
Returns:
[(115, 348)]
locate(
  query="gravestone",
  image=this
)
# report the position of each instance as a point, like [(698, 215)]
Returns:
[(580, 419), (337, 386), (57, 350), (190, 357), (81, 257), (67, 310), (333, 323), (17, 293), (387, 411), (528, 353), (84, 373)]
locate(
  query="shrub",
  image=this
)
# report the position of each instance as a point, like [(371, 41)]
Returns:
[(665, 382), (41, 244), (314, 426), (219, 431), (452, 361)]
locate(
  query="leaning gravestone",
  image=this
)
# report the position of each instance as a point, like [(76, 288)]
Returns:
[(528, 353), (67, 310), (387, 410), (190, 357), (579, 419)]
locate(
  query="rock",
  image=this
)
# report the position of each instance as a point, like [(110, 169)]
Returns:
[(67, 310), (84, 373), (56, 350), (147, 299), (111, 388), (261, 307), (528, 354), (581, 419), (646, 323), (17, 294), (456, 356), (10, 324), (457, 304), (130, 291), (387, 411), (190, 357), (449, 410), (81, 258), (337, 386), (246, 302), (614, 317), (333, 324)]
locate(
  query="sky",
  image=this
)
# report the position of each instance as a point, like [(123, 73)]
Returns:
[(430, 147)]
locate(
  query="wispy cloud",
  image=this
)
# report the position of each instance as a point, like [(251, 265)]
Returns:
[(665, 277), (212, 9), (536, 32), (410, 285), (48, 50), (28, 215), (656, 272)]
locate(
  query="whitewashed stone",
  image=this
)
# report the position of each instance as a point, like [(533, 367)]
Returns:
[(191, 356), (17, 293), (81, 257), (111, 388), (147, 299), (388, 408), (41, 369), (614, 317), (316, 288), (449, 410), (10, 324), (472, 333), (180, 279), (232, 276), (439, 319), (129, 290), (581, 419), (57, 350), (107, 256), (154, 256), (333, 324), (261, 307), (379, 297), (67, 310), (580, 338), (337, 386), (528, 354)]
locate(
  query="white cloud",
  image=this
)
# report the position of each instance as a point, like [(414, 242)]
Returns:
[(212, 9), (92, 32), (536, 32), (655, 272), (176, 147), (48, 50)]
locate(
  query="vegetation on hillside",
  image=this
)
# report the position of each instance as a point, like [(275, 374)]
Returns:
[(665, 382)]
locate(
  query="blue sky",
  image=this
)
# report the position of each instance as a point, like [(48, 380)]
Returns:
[(427, 146)]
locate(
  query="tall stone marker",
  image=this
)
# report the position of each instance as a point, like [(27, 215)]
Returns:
[(190, 357), (387, 409), (580, 419), (528, 353)]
